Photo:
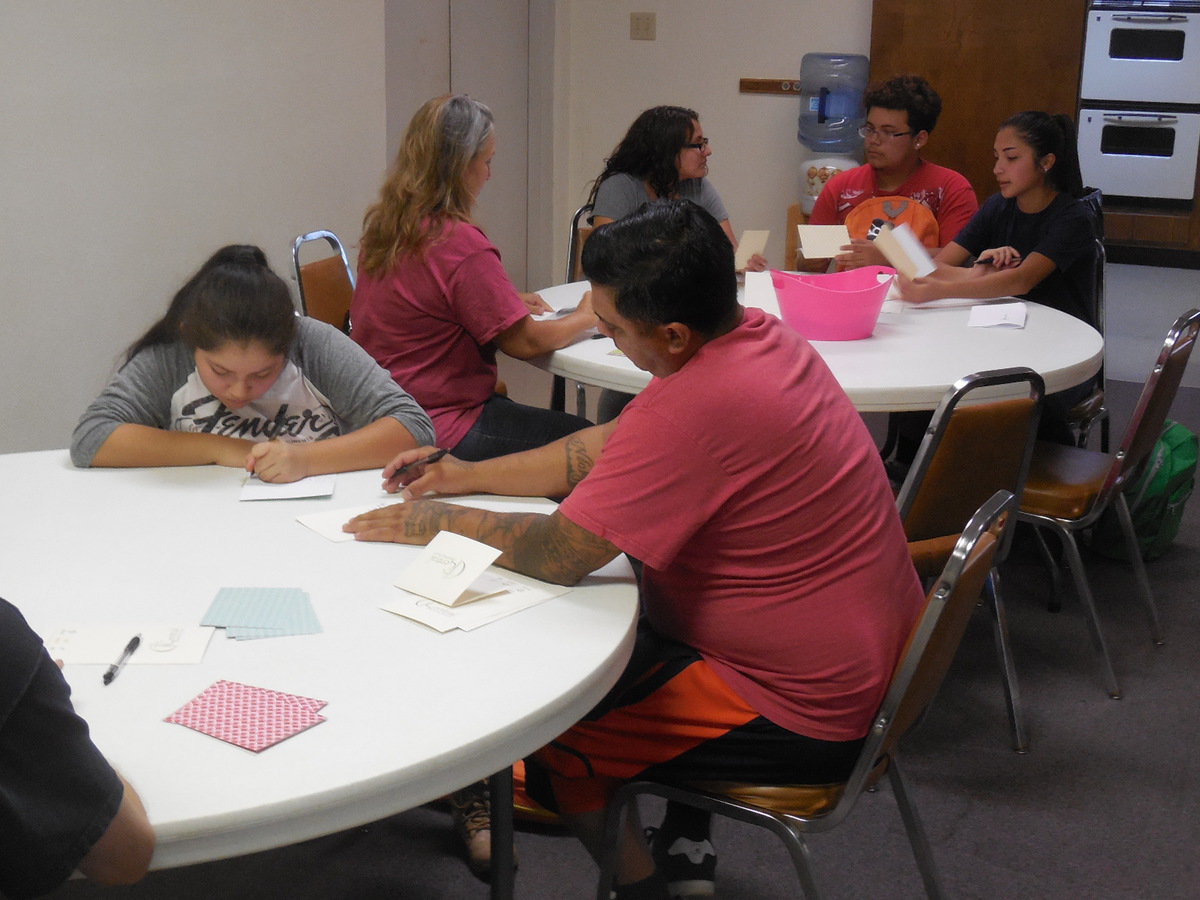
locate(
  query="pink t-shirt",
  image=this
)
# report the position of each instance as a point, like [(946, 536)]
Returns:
[(948, 195), (749, 486), (431, 322)]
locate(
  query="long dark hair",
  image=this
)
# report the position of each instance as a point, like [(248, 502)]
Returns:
[(650, 149), (233, 297), (1051, 133)]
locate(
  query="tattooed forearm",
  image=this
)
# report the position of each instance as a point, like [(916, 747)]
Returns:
[(556, 549), (579, 460)]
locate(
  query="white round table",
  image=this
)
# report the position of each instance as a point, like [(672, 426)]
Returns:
[(911, 359), (411, 714)]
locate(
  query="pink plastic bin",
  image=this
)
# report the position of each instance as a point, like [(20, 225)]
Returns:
[(842, 306)]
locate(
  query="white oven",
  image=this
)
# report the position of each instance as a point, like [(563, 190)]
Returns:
[(1140, 154), (1142, 50)]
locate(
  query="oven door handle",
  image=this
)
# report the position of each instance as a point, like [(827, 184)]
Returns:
[(1146, 118), (1150, 18)]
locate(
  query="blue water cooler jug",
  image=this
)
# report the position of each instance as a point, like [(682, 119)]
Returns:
[(831, 112)]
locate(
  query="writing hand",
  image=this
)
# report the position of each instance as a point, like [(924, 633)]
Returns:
[(446, 476), (277, 461)]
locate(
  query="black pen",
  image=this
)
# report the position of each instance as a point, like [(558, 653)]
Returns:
[(124, 658), (431, 458)]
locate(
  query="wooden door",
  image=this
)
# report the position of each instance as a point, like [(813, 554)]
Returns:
[(987, 61)]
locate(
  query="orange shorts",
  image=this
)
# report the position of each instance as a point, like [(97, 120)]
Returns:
[(671, 717)]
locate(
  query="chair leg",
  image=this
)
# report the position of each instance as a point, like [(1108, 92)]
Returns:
[(916, 833), (801, 861), (1139, 567), (1055, 568), (558, 393), (1075, 563), (1008, 669)]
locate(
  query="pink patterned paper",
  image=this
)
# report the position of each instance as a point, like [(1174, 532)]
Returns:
[(251, 717)]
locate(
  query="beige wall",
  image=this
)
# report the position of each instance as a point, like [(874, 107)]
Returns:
[(137, 136), (702, 50), (140, 135)]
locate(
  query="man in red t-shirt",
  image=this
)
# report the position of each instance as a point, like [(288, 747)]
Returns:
[(777, 586), (901, 113)]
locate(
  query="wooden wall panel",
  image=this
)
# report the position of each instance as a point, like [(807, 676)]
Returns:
[(986, 61)]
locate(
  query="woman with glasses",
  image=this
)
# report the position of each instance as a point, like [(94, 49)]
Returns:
[(901, 113), (664, 154), (433, 303)]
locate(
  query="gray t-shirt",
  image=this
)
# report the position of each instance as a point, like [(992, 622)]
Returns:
[(621, 194), (329, 386)]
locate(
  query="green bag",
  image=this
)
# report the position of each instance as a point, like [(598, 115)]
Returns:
[(1156, 499)]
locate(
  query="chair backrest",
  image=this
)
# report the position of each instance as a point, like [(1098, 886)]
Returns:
[(1150, 412), (791, 237), (326, 284), (970, 451), (933, 641), (580, 230), (1093, 201)]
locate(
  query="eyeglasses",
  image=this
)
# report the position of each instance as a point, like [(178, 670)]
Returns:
[(868, 132), (699, 145)]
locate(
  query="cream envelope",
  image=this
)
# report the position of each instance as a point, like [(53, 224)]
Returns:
[(447, 568)]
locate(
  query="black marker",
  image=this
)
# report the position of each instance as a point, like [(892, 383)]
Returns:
[(120, 663)]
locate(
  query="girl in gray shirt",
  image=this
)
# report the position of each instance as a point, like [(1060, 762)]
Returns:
[(231, 376)]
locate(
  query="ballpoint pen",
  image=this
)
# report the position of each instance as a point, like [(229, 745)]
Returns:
[(124, 658), (431, 458)]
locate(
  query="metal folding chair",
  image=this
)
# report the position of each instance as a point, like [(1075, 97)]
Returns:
[(326, 284)]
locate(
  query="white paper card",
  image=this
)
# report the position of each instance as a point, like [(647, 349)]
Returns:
[(518, 593), (752, 242), (102, 644), (447, 568), (1008, 315), (254, 488), (904, 251), (328, 523), (822, 241)]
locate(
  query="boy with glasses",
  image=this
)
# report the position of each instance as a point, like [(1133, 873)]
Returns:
[(901, 113)]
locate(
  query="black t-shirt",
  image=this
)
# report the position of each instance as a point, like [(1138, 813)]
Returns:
[(1062, 232), (57, 792)]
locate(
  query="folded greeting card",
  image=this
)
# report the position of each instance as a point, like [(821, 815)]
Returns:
[(250, 717), (446, 569)]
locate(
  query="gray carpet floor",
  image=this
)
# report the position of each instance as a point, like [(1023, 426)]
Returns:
[(1105, 804)]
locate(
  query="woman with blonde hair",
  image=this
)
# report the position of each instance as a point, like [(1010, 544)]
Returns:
[(433, 302)]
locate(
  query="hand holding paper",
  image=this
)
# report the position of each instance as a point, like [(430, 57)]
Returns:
[(753, 243)]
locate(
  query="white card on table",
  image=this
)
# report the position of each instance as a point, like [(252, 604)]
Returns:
[(254, 488), (447, 568), (1011, 315)]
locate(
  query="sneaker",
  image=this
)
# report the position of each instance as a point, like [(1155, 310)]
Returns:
[(690, 867), (471, 811)]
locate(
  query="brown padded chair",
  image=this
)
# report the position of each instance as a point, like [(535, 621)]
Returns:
[(1069, 488), (791, 811), (970, 450), (326, 284)]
